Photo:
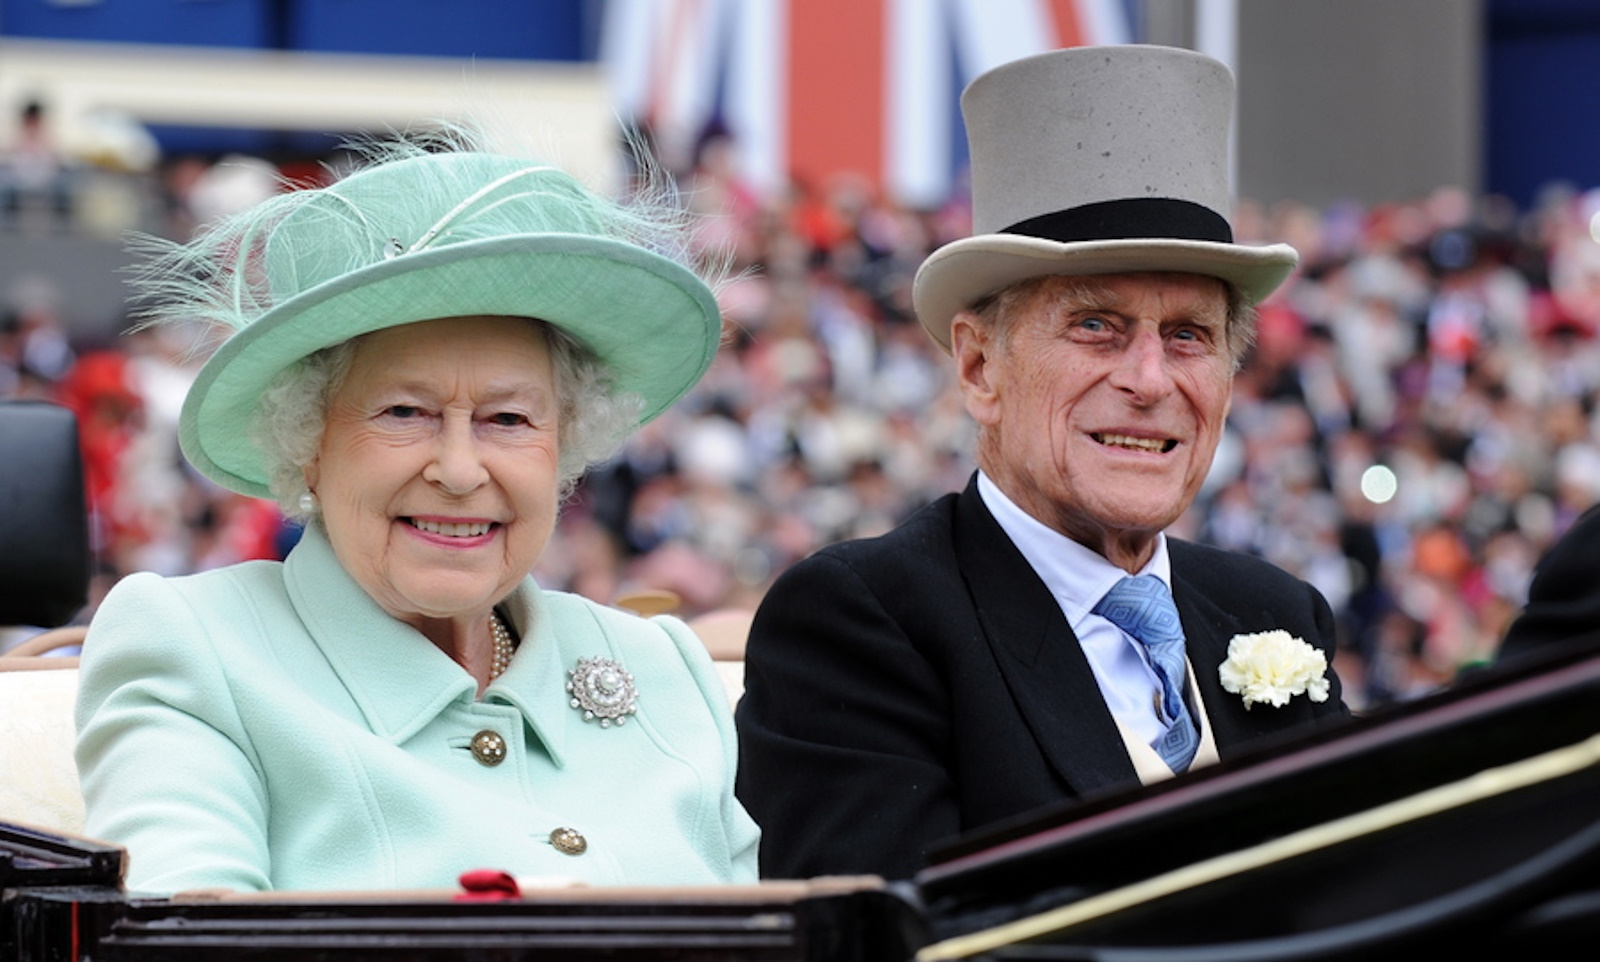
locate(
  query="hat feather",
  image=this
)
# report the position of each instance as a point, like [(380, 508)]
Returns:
[(240, 266)]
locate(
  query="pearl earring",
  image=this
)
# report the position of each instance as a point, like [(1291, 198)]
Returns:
[(308, 502)]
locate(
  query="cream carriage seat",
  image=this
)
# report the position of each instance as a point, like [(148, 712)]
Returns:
[(44, 583)]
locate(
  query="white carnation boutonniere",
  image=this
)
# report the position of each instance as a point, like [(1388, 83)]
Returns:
[(1272, 667)]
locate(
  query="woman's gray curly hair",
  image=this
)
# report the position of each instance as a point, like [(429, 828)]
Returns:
[(593, 423)]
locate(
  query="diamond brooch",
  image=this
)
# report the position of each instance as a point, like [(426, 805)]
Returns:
[(602, 690)]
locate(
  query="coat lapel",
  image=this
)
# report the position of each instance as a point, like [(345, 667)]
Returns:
[(397, 679), (1039, 657), (1208, 627), (540, 669)]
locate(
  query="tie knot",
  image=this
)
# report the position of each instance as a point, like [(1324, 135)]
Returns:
[(1143, 607)]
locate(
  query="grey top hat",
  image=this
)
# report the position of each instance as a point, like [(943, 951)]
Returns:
[(1096, 160)]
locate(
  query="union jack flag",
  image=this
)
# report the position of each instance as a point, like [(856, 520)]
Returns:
[(812, 88)]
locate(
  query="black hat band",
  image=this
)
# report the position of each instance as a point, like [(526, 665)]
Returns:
[(1133, 218)]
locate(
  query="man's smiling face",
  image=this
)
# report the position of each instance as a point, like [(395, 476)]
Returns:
[(1101, 401)]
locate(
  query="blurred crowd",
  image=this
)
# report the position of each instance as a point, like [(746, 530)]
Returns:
[(1415, 427)]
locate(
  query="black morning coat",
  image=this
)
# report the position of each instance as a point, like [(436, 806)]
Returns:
[(906, 689)]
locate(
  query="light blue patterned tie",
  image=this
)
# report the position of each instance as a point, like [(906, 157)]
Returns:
[(1143, 608)]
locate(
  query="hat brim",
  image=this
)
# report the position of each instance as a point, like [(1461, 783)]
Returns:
[(651, 321), (961, 273)]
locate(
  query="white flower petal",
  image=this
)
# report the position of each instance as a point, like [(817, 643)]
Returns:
[(1272, 667)]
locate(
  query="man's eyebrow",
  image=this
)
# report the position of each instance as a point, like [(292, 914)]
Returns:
[(1083, 296), (1210, 313)]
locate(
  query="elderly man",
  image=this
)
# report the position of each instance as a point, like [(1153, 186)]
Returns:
[(995, 653)]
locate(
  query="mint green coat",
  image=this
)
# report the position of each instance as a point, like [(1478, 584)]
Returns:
[(268, 726)]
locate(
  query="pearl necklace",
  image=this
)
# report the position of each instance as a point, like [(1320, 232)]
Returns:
[(504, 647)]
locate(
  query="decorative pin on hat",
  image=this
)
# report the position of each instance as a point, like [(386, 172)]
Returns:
[(1096, 160)]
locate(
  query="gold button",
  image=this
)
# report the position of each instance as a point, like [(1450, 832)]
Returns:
[(488, 748), (569, 841)]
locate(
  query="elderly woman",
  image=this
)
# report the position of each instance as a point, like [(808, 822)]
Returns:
[(423, 358)]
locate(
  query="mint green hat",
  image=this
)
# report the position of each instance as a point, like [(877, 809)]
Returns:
[(416, 236)]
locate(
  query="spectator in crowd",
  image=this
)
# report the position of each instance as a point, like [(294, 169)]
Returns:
[(35, 176), (420, 360), (1564, 596), (1019, 644), (99, 390)]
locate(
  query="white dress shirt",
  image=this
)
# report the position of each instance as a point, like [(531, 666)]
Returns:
[(1079, 578)]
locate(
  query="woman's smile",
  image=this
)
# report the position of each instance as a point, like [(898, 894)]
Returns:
[(438, 469), (451, 531)]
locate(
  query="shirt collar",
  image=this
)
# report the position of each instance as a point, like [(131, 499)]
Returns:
[(1077, 576)]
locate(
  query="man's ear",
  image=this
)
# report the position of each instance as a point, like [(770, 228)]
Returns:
[(972, 346)]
